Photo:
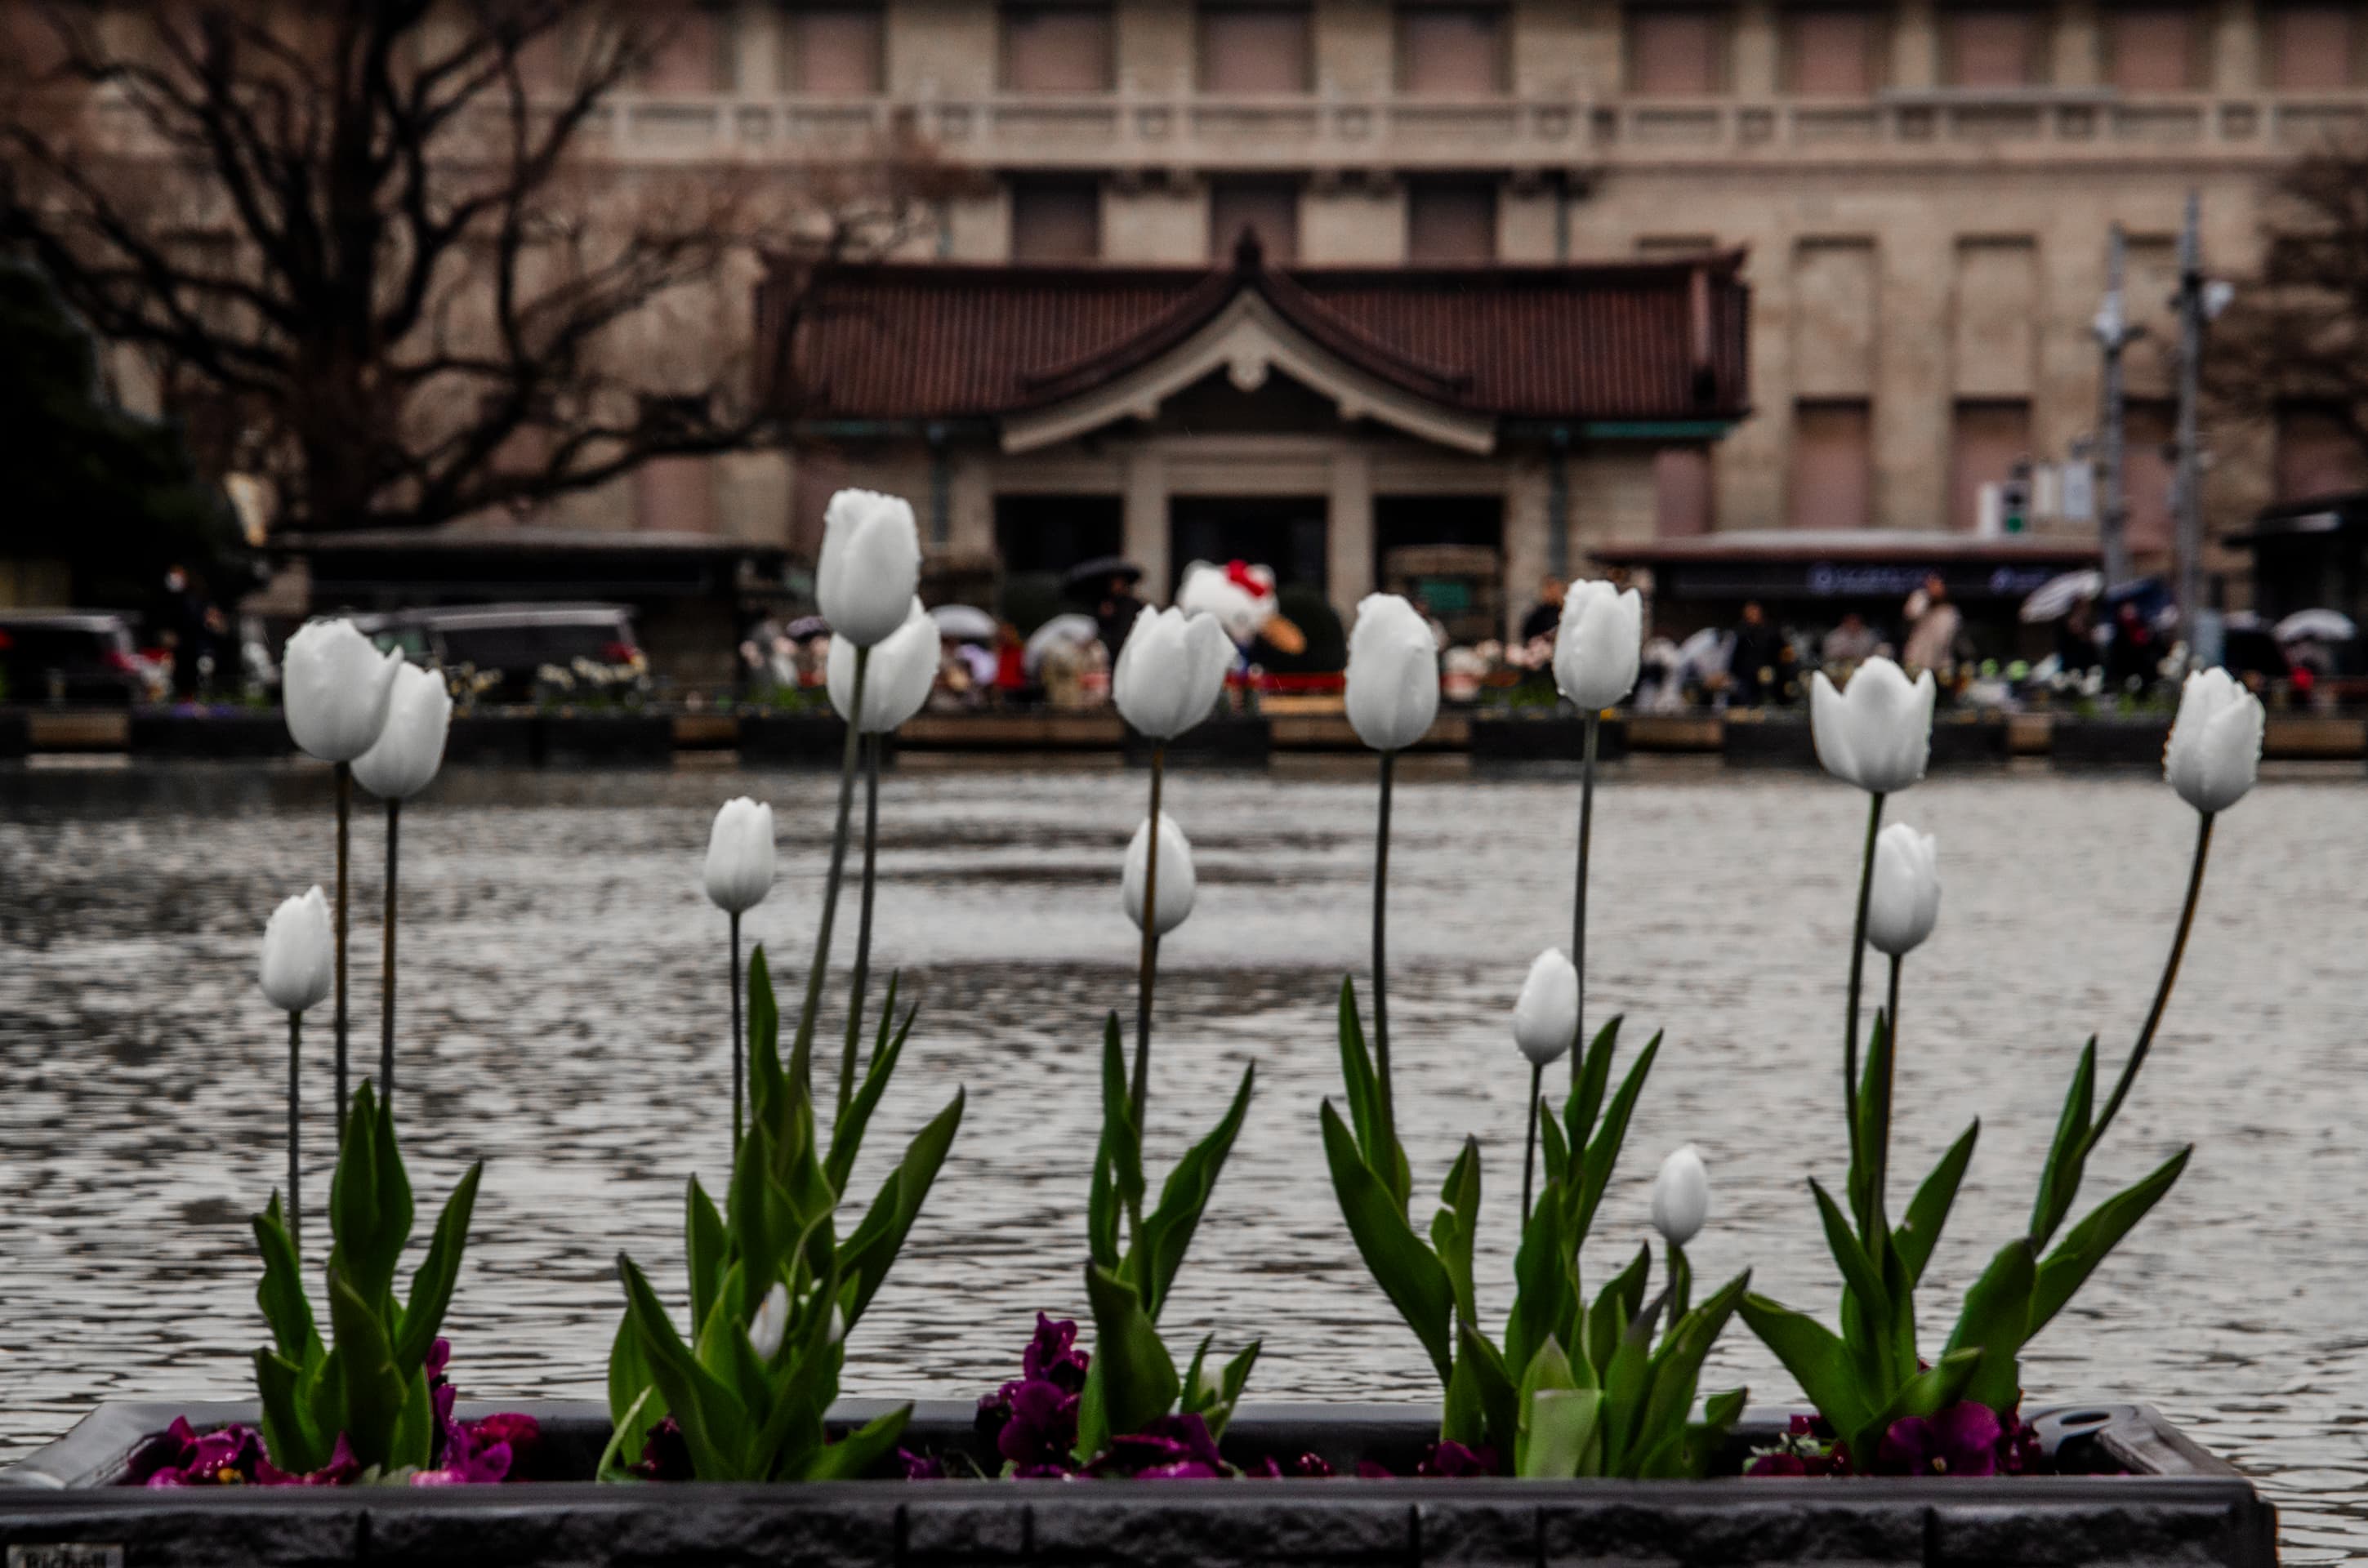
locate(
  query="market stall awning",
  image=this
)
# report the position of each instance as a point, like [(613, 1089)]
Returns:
[(1789, 566)]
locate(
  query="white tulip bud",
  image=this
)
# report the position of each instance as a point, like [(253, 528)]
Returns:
[(772, 1321), (335, 685), (870, 564), (1393, 692), (896, 679), (1682, 1196), (1877, 735), (1598, 644), (300, 953), (1177, 881), (740, 855), (411, 747), (1546, 1019), (838, 1329), (2216, 745), (1170, 671), (1904, 899)]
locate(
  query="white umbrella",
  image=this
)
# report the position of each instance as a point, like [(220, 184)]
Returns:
[(2316, 625), (1071, 628), (964, 623), (2055, 597)]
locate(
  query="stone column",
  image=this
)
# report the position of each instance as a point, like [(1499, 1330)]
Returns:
[(1348, 532), (1145, 525), (1526, 507), (1914, 46), (1755, 49)]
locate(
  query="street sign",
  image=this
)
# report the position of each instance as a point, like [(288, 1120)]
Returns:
[(2077, 492)]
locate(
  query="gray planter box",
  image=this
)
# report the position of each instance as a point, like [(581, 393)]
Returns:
[(162, 732), (2108, 743), (2179, 1503), (1226, 741), (1787, 742), (16, 734), (608, 740), (795, 740), (1542, 735), (496, 740)]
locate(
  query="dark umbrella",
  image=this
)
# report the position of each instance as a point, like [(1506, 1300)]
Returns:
[(1088, 576)]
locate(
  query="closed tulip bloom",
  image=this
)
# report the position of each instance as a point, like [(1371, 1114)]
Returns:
[(1878, 734), (870, 564), (740, 855), (410, 748), (1546, 1019), (772, 1321), (335, 685), (1177, 881), (896, 683), (1170, 671), (1393, 673), (2215, 744), (299, 953), (1598, 646), (1904, 898), (1682, 1196)]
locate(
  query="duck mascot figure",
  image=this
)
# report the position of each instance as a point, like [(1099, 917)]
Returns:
[(1242, 597)]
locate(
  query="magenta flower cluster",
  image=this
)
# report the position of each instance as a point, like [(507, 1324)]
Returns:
[(1965, 1439)]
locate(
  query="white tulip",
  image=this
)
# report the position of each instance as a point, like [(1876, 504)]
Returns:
[(2215, 744), (740, 855), (299, 953), (1177, 881), (870, 564), (1877, 735), (838, 1329), (410, 748), (1170, 671), (1598, 646), (1904, 898), (772, 1321), (1393, 673), (335, 685), (1546, 1019), (1682, 1196), (897, 678)]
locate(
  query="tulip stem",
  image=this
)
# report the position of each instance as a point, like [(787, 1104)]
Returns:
[(737, 1046), (1380, 964), (295, 1097), (1147, 960), (862, 922), (386, 964), (801, 1052), (1856, 975), (344, 772), (1594, 722), (2162, 991), (1883, 1109), (1530, 1155)]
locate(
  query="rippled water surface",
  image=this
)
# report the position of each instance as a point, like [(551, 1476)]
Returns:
[(564, 1018)]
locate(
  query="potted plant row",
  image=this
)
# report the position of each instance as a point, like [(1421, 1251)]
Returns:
[(1570, 1419)]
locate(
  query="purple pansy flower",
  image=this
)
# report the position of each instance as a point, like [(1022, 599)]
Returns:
[(1052, 1354), (1960, 1440), (1173, 1447), (1042, 1426), (1454, 1461)]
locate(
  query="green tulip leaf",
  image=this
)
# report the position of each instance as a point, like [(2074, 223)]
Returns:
[(1815, 1357), (1369, 1110), (1603, 1153), (1995, 1320), (1135, 1375), (1616, 1306), (1410, 1273), (871, 1250), (2067, 1157), (855, 1456), (432, 1282), (2077, 1255), (706, 1246), (1928, 1393), (847, 1137), (372, 1388), (715, 1426), (281, 1293), (1927, 1212), (1585, 1099)]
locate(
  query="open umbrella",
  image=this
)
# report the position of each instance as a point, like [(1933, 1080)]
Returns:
[(2316, 625), (1088, 576), (1071, 628), (2055, 598), (964, 623)]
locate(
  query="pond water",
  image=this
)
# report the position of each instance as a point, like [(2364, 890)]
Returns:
[(564, 1017)]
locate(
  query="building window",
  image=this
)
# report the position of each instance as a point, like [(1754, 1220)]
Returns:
[(1833, 465), (1451, 221), (2317, 454), (687, 51), (1676, 52), (2151, 49), (1056, 220), (1833, 53), (1268, 208), (1989, 46), (1056, 48), (835, 51), (1255, 48), (2313, 47), (1990, 435), (1682, 492), (1452, 52)]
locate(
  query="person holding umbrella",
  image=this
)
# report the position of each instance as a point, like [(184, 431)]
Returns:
[(1107, 583)]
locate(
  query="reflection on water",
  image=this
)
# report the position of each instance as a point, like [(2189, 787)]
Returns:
[(564, 1018)]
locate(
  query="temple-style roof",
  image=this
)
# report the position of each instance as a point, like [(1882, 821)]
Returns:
[(1464, 348)]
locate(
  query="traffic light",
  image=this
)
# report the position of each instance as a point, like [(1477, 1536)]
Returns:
[(2014, 500)]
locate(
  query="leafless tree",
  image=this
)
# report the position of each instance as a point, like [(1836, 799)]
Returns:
[(2296, 336), (388, 245)]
